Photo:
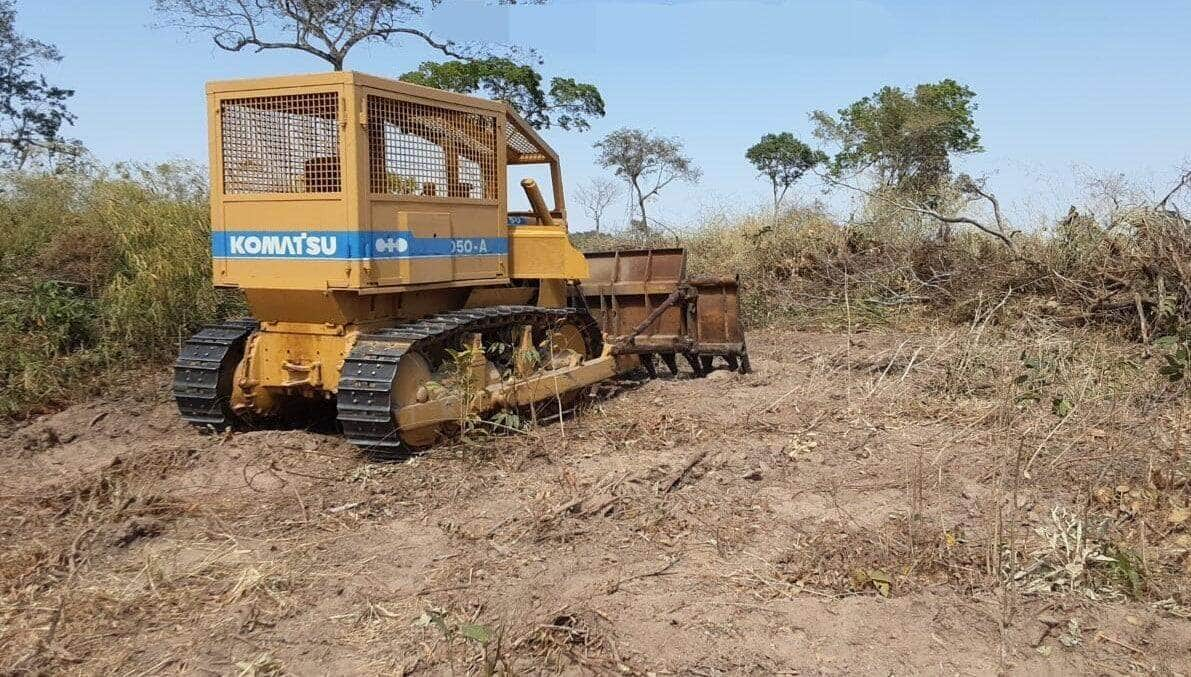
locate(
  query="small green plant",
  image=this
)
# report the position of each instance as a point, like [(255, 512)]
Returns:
[(509, 420), (452, 628), (497, 348), (1177, 355), (458, 382), (1036, 376), (1061, 406), (1124, 568), (531, 356)]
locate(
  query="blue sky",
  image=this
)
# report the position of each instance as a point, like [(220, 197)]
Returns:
[(1066, 89)]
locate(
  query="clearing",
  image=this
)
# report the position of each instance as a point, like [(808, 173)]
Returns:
[(876, 503)]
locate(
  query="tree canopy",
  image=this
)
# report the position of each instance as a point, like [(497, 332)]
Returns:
[(327, 29), (330, 29), (566, 104), (906, 139), (32, 111), (783, 159), (647, 162)]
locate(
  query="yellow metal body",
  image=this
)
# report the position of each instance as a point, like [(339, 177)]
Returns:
[(486, 394), (343, 203)]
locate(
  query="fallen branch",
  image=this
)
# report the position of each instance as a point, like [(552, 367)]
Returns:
[(615, 586), (967, 185), (694, 461)]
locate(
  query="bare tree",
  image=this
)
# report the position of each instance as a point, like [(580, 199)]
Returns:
[(648, 163), (596, 196), (327, 29), (1184, 182)]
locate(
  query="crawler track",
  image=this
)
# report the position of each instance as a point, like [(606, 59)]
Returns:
[(366, 407), (204, 369)]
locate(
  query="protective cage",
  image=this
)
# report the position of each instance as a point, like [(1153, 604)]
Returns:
[(373, 184), (415, 142), (281, 144), (430, 151)]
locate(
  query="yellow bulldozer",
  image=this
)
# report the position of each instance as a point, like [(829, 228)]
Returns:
[(366, 221)]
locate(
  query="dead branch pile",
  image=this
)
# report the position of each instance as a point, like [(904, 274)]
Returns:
[(1127, 270)]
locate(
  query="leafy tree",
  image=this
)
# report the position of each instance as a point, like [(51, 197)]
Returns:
[(907, 139), (647, 162), (783, 159), (32, 111), (567, 104), (596, 196)]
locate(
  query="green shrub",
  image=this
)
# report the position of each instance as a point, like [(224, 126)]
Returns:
[(63, 316), (1176, 354), (101, 270)]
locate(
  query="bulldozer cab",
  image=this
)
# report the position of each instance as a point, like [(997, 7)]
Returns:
[(343, 181)]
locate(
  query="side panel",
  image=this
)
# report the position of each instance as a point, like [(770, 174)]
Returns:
[(281, 190), (285, 244), (420, 243), (717, 311), (544, 252)]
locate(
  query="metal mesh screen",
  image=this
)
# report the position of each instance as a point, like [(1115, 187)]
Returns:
[(518, 142), (281, 144), (416, 149)]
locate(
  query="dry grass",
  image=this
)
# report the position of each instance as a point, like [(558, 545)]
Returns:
[(1125, 270), (99, 269)]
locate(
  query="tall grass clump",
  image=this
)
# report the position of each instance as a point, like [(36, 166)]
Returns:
[(102, 269)]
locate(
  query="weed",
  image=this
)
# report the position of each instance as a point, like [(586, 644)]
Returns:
[(1076, 556), (1177, 355), (1124, 569)]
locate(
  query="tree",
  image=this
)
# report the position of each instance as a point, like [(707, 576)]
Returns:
[(568, 104), (596, 196), (648, 163), (907, 139), (32, 112), (327, 29), (330, 29), (783, 159)]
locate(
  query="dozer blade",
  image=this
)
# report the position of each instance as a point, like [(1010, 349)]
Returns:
[(645, 304)]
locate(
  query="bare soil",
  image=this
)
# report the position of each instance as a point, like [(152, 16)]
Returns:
[(871, 504)]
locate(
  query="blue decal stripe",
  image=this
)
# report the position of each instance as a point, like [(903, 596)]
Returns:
[(325, 245)]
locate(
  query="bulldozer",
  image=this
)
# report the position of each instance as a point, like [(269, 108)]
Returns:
[(366, 222)]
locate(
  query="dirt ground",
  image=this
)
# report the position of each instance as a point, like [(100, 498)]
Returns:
[(846, 509)]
